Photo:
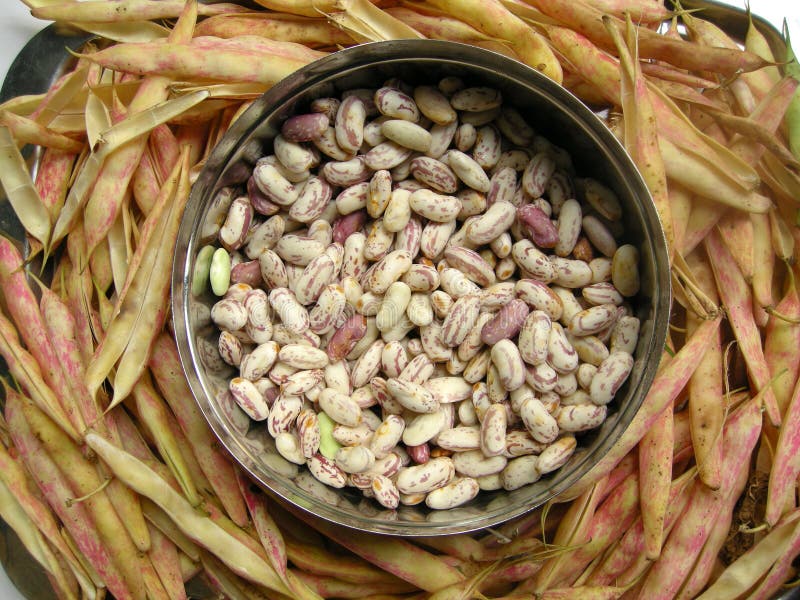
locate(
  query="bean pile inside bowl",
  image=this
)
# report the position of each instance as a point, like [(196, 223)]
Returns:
[(420, 297)]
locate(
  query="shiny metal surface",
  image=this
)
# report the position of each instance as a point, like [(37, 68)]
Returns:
[(33, 71), (555, 114)]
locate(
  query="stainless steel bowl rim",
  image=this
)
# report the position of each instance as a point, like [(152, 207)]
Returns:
[(421, 52)]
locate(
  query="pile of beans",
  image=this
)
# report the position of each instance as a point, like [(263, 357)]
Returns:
[(422, 298)]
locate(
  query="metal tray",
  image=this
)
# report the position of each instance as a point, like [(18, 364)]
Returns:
[(38, 65)]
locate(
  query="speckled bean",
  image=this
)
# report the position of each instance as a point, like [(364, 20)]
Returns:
[(538, 421), (458, 491), (520, 471), (435, 473), (556, 454), (460, 319), (610, 376), (506, 323)]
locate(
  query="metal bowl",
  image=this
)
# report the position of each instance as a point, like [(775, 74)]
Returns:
[(554, 113)]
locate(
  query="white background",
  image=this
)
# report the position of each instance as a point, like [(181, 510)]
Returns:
[(17, 27)]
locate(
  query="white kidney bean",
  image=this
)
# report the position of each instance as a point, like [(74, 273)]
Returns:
[(229, 314), (412, 396), (556, 454), (510, 367), (460, 319), (434, 474), (625, 270), (288, 446), (580, 417), (611, 374), (570, 273), (258, 362), (418, 370), (326, 471), (462, 438), (354, 459), (292, 314), (385, 491), (422, 428), (560, 353), (388, 270), (431, 338), (538, 421), (340, 407), (230, 349), (473, 463), (301, 356), (497, 219), (521, 443), (459, 491), (493, 430), (593, 320), (566, 384), (520, 471), (367, 365), (249, 399), (283, 413)]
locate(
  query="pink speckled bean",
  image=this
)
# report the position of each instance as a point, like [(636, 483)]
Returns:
[(396, 104), (349, 123), (506, 323), (420, 454), (305, 128), (248, 272), (538, 226)]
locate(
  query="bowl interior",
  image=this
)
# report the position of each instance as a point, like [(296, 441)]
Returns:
[(555, 114)]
